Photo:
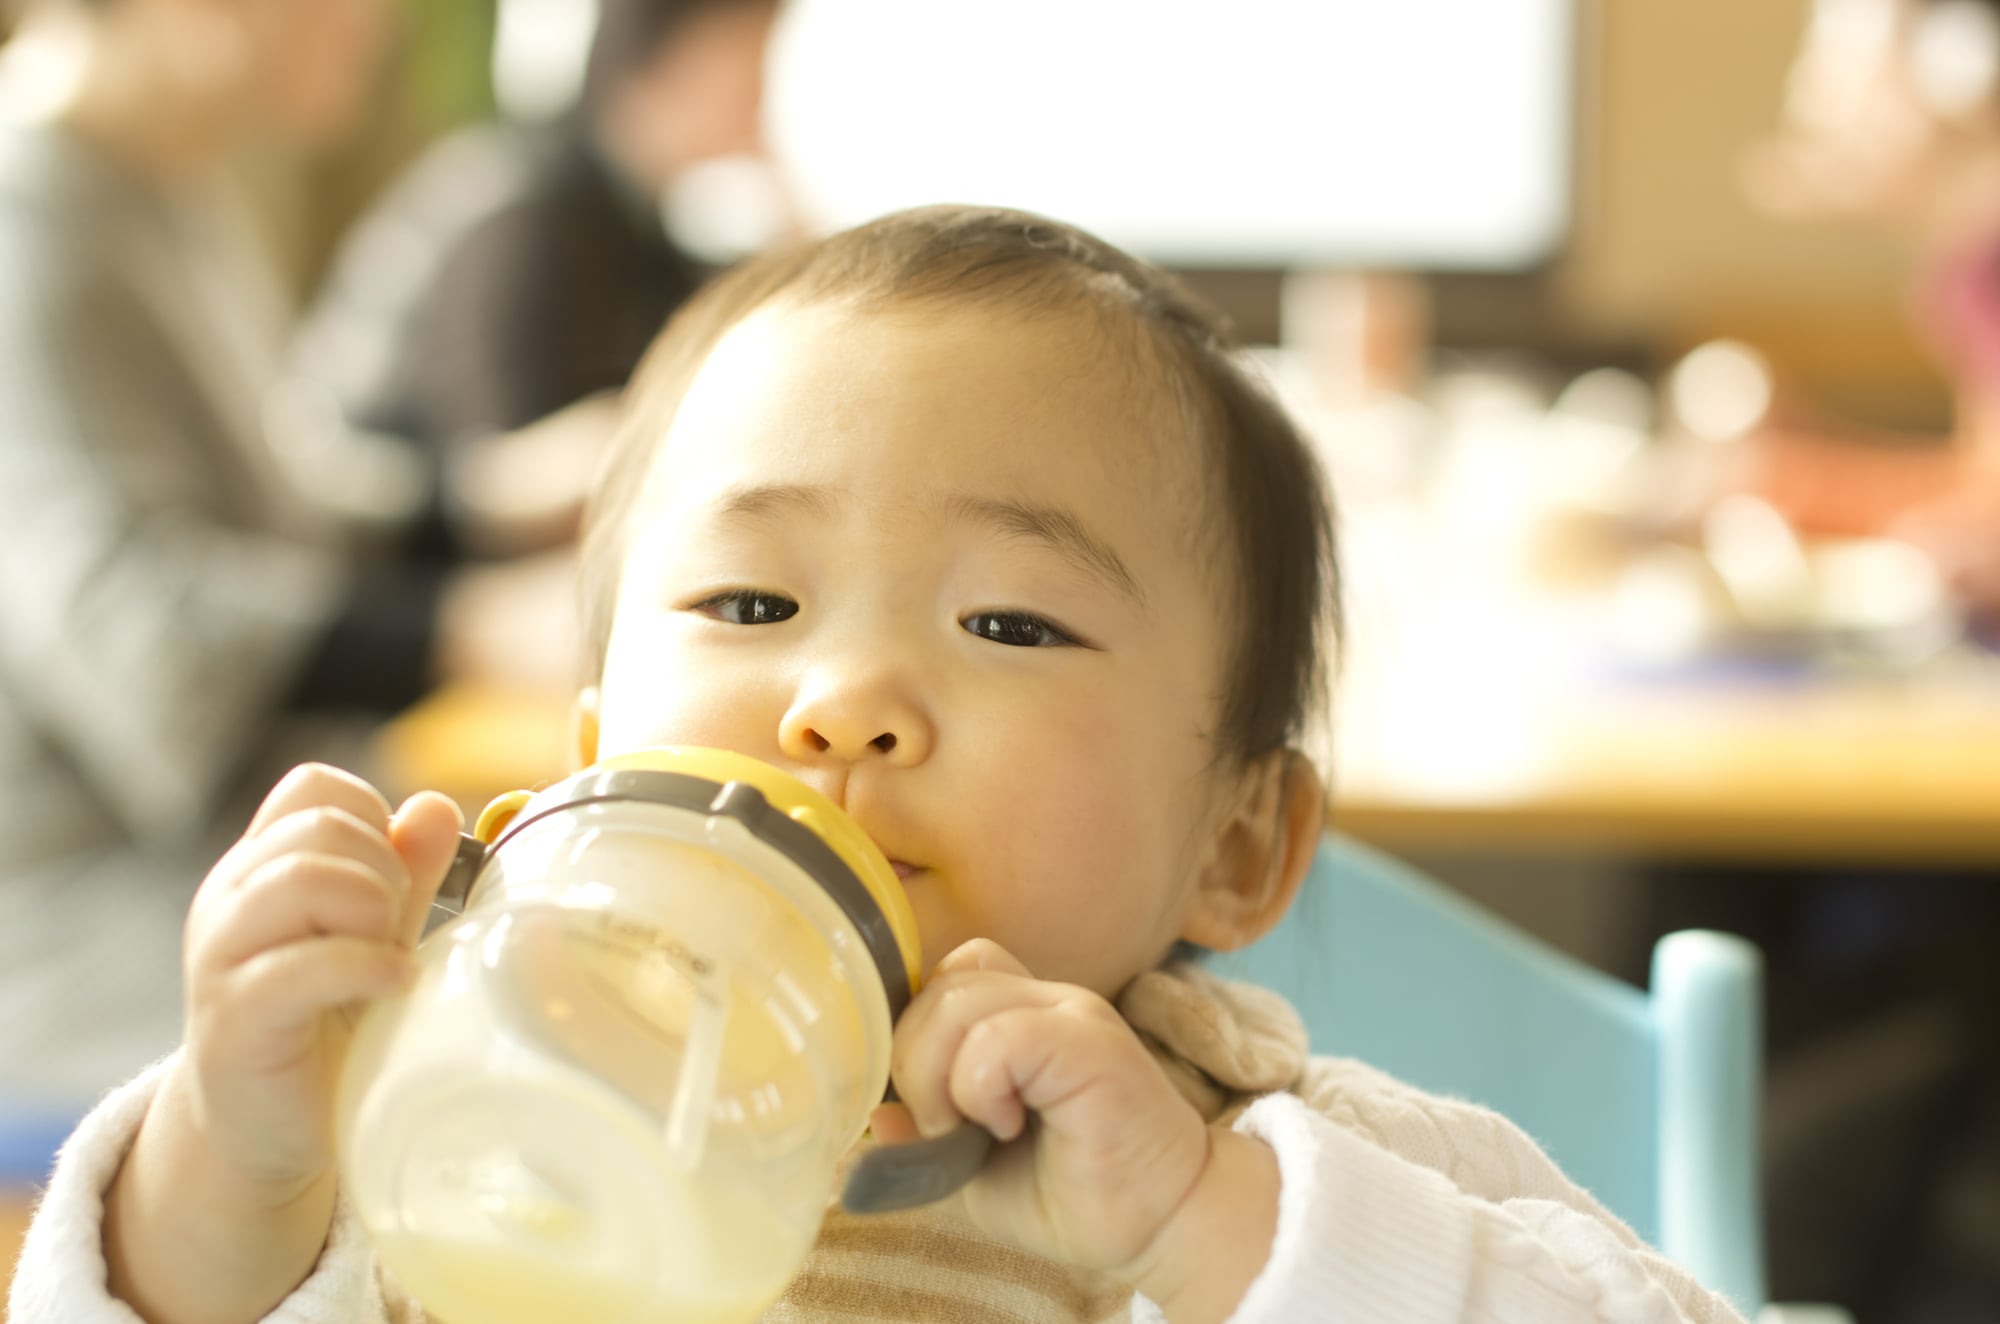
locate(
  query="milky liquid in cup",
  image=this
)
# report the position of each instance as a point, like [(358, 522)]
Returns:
[(473, 1282), (617, 1092)]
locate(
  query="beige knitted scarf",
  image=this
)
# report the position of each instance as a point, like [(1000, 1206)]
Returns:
[(1221, 1044)]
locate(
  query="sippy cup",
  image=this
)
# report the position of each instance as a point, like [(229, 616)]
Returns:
[(619, 1088)]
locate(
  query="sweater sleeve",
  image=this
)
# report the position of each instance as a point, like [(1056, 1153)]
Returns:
[(146, 636), (1368, 1232), (62, 1279)]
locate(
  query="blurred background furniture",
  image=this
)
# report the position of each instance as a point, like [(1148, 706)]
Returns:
[(1647, 1099), (30, 1132), (1813, 770)]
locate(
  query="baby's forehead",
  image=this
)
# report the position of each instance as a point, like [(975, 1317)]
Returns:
[(1003, 392)]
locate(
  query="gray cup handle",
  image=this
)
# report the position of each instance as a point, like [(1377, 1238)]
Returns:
[(892, 1177)]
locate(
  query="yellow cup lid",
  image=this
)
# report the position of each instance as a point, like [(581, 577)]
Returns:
[(702, 781)]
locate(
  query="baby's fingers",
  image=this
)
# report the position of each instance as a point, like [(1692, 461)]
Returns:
[(981, 954), (1079, 1069), (271, 1000), (891, 1124), (316, 786), (424, 833), (934, 1030), (292, 857), (304, 895)]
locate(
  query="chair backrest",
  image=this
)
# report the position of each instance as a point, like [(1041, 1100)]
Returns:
[(1648, 1102)]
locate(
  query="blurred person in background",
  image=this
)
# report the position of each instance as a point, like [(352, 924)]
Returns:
[(186, 582), (1892, 116), (520, 268)]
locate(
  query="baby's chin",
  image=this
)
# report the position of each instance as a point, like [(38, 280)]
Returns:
[(943, 927), (939, 933)]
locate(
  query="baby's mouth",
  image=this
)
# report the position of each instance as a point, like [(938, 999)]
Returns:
[(904, 869)]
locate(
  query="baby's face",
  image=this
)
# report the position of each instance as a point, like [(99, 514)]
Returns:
[(950, 570)]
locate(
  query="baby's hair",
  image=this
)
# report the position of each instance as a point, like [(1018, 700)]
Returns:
[(1274, 516)]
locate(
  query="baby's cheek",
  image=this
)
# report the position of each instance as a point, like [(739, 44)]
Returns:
[(1118, 765), (666, 705), (1084, 882)]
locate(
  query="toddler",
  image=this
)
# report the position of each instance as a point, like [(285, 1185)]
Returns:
[(973, 523)]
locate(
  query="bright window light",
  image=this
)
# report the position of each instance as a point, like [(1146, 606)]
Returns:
[(1419, 133)]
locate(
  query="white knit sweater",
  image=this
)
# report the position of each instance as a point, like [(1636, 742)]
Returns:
[(1397, 1207)]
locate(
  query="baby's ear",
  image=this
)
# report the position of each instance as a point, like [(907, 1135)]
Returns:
[(1260, 853), (583, 727)]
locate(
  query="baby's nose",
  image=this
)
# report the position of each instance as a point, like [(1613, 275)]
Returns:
[(854, 718), (824, 745)]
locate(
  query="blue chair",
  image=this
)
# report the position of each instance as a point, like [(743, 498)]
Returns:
[(1649, 1101)]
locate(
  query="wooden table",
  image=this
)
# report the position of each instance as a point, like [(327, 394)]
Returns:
[(1818, 773), (1531, 700)]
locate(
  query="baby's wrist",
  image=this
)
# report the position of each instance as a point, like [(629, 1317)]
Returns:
[(1219, 1238), (190, 1235), (182, 1121)]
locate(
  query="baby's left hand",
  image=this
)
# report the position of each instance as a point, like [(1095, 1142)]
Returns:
[(1098, 1151)]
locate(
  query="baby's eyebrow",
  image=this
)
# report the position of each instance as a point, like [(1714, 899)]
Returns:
[(1059, 530), (769, 501), (1052, 526)]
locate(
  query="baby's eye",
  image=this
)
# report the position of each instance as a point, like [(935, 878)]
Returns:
[(748, 606), (1018, 629)]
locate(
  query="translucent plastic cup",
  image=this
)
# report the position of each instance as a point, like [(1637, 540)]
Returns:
[(620, 1086)]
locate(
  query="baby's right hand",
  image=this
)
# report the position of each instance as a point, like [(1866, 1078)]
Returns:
[(314, 912)]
